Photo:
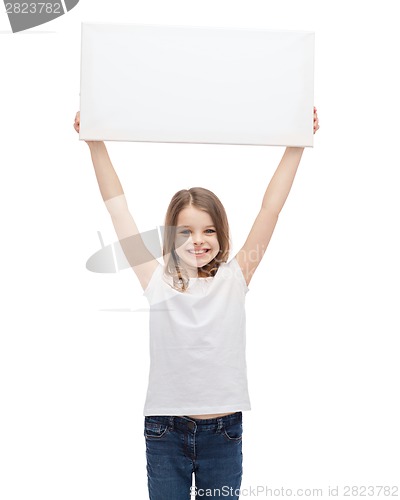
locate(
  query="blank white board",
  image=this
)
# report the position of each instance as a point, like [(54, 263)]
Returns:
[(196, 85)]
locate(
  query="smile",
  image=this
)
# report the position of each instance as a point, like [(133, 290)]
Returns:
[(198, 252)]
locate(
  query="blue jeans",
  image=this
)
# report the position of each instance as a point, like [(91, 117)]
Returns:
[(210, 448)]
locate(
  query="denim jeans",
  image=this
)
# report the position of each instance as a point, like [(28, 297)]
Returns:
[(210, 448)]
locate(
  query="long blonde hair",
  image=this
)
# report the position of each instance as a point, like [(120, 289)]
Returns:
[(205, 200)]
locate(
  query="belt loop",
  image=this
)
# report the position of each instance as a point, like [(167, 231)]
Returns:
[(171, 422), (220, 424)]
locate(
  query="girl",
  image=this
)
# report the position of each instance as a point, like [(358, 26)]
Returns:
[(197, 386)]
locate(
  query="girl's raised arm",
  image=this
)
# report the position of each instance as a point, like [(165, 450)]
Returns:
[(250, 255), (140, 259)]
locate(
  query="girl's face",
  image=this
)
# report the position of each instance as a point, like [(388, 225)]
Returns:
[(196, 240)]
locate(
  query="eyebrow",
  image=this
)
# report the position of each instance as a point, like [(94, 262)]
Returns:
[(205, 227)]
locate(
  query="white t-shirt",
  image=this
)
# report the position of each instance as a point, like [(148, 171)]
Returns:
[(198, 344)]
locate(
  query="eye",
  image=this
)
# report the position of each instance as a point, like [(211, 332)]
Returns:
[(210, 231), (184, 231)]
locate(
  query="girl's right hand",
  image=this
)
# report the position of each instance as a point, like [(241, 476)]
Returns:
[(77, 123), (77, 126), (316, 120)]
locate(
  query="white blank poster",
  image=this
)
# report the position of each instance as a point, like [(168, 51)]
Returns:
[(196, 85)]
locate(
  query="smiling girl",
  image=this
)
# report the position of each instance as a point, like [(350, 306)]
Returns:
[(197, 387)]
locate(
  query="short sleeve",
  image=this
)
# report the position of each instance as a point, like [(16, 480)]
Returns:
[(155, 278), (237, 273)]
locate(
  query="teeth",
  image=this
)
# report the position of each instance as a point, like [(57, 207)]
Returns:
[(197, 251)]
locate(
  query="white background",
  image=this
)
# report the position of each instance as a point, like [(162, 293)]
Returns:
[(323, 321)]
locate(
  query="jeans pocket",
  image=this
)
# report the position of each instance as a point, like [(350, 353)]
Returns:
[(233, 432), (154, 429)]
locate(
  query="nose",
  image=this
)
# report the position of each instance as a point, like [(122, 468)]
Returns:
[(197, 239)]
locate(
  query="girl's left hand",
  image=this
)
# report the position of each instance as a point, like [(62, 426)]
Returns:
[(316, 121)]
